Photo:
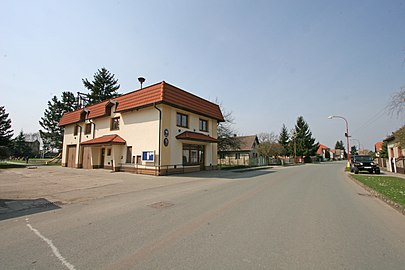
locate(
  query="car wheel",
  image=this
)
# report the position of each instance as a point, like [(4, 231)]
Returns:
[(377, 172)]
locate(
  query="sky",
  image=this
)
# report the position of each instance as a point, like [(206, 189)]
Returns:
[(266, 62)]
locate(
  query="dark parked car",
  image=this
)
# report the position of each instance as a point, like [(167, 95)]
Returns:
[(363, 163)]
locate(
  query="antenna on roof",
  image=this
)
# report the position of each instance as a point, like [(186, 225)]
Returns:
[(141, 80)]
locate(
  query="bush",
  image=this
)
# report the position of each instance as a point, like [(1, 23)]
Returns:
[(4, 152)]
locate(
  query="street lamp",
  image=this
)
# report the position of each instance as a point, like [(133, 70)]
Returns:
[(346, 135)]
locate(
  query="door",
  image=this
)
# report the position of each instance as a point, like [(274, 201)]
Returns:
[(71, 156), (86, 158), (102, 158), (129, 154)]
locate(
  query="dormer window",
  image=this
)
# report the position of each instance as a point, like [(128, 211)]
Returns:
[(87, 129), (115, 123)]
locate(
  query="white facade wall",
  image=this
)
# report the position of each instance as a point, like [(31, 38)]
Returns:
[(140, 130)]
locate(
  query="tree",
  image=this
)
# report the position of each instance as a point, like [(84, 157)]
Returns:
[(353, 150), (269, 146), (52, 135), (20, 147), (397, 103), (227, 139), (5, 128), (103, 86), (400, 136), (284, 141), (305, 143), (4, 152)]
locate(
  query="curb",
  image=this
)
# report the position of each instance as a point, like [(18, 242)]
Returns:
[(396, 206)]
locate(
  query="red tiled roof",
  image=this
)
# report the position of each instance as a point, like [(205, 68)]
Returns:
[(320, 149), (158, 93), (194, 136), (107, 139)]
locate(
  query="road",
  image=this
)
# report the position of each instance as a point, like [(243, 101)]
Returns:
[(304, 217)]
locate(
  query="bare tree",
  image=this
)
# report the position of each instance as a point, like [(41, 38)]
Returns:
[(269, 146), (226, 133), (396, 106)]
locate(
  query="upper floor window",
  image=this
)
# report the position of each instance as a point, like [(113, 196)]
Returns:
[(115, 123), (76, 131), (87, 128), (182, 120), (203, 125)]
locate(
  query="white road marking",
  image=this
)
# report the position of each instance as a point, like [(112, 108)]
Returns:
[(52, 246)]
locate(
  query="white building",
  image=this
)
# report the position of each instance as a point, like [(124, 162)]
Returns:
[(158, 130)]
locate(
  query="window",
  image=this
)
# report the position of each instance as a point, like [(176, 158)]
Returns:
[(87, 128), (237, 155), (76, 130), (193, 154), (109, 152), (203, 125), (115, 123), (182, 120)]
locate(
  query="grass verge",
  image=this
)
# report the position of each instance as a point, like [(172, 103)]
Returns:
[(391, 187)]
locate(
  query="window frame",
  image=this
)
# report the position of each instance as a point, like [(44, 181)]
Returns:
[(201, 125), (181, 124), (117, 121)]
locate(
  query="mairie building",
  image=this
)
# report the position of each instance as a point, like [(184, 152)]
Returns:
[(160, 129)]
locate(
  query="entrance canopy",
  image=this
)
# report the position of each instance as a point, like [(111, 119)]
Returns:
[(107, 139), (194, 136)]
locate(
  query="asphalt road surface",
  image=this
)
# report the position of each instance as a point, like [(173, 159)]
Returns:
[(304, 217)]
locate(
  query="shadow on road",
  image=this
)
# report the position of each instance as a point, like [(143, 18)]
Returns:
[(10, 208), (223, 174)]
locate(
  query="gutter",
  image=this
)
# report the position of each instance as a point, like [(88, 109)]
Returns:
[(160, 132)]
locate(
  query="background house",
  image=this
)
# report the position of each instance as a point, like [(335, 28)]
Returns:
[(395, 162), (246, 154), (324, 152)]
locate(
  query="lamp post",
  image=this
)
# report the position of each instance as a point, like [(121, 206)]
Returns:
[(346, 135)]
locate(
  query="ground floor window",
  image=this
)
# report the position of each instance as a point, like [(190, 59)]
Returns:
[(193, 154)]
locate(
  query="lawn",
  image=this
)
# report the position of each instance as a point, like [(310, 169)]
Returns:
[(391, 187)]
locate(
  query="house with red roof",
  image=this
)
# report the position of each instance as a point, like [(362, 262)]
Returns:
[(325, 152), (159, 129), (246, 154)]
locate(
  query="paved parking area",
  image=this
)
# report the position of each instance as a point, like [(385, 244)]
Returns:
[(67, 185)]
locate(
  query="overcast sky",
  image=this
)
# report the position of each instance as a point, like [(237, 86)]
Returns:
[(266, 61)]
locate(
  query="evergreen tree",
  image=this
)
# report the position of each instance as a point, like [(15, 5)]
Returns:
[(20, 148), (353, 150), (52, 135), (305, 143), (103, 86), (5, 128), (284, 141)]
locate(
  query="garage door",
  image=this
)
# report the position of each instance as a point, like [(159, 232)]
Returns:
[(87, 158), (71, 156)]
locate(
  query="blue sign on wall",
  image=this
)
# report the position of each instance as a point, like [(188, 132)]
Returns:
[(148, 156)]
